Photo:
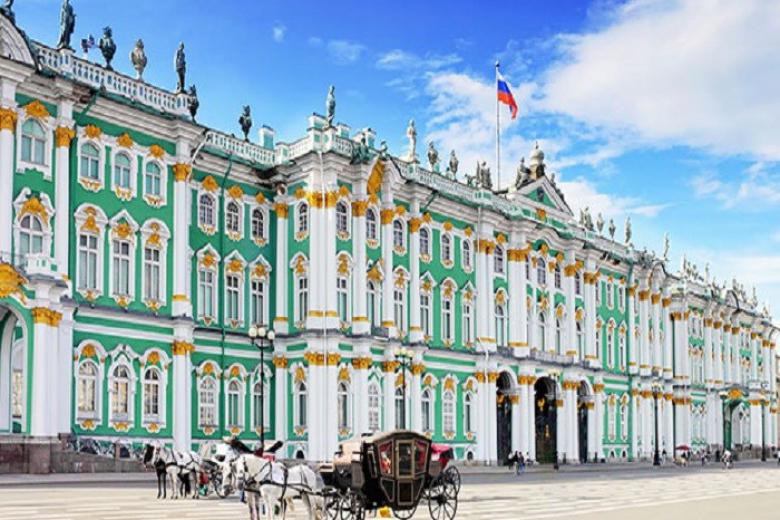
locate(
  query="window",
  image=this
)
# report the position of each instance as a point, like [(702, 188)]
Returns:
[(206, 290), (466, 254), (303, 218), (87, 391), (122, 171), (610, 346), (233, 404), (448, 412), (600, 288), (260, 406), (152, 269), (374, 400), (343, 406), (90, 162), (559, 335), (342, 288), (425, 314), (232, 218), (468, 320), (500, 325), (446, 249), (153, 180), (468, 413), (303, 299), (542, 332), (258, 302), (557, 275), (578, 283), (427, 411), (206, 210), (30, 235), (425, 242), (33, 142), (207, 402), (398, 234), (623, 421), (599, 344), (88, 261), (258, 229), (372, 297), (610, 295), (152, 395), (120, 387), (498, 260), (541, 272), (622, 350), (301, 405), (399, 308), (580, 339), (400, 409), (121, 267), (447, 323), (611, 420), (232, 302), (622, 298), (371, 233), (342, 218)]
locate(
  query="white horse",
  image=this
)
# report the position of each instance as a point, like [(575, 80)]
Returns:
[(181, 467)]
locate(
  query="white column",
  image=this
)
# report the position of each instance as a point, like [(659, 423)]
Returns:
[(655, 307), (415, 391), (361, 363), (756, 419), (415, 330), (598, 396), (360, 324), (526, 400), (181, 301), (388, 213), (481, 413), (736, 365), (668, 418), (634, 411), (43, 372), (517, 300), (644, 350), (281, 393), (515, 399), (7, 128), (754, 351), (592, 429), (388, 391), (727, 373), (570, 328), (182, 400), (562, 422), (490, 411), (633, 341), (590, 313), (521, 301), (63, 136), (572, 426), (281, 320), (717, 351), (708, 372), (668, 357), (64, 371), (531, 422), (485, 298)]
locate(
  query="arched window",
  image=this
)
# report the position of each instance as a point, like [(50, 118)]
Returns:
[(152, 395), (542, 331), (207, 402), (153, 180), (30, 235), (343, 405), (468, 412), (400, 408), (448, 411), (374, 401), (342, 217), (610, 346), (559, 336), (624, 420), (622, 350), (90, 162), (234, 404), (303, 218), (371, 233), (498, 260), (468, 322), (611, 420), (87, 390), (621, 298), (261, 405), (541, 272), (425, 242), (33, 142), (425, 314), (122, 175), (206, 210), (372, 300), (466, 254), (500, 325), (120, 390), (557, 275), (446, 248), (232, 218), (599, 344), (447, 321), (258, 228), (426, 407), (398, 234), (301, 405)]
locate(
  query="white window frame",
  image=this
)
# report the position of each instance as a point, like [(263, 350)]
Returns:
[(256, 383), (133, 173), (300, 315), (399, 231), (47, 126), (501, 324), (428, 415), (239, 396), (446, 248), (263, 295), (301, 389), (239, 290), (101, 221), (237, 232), (262, 238), (213, 406), (202, 224), (96, 379), (343, 218), (374, 410), (425, 243), (157, 229), (447, 317), (88, 183), (448, 412), (466, 255), (302, 217), (344, 413), (499, 261), (372, 225), (159, 418), (150, 198), (46, 230)]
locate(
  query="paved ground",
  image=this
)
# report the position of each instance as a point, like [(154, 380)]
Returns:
[(749, 491)]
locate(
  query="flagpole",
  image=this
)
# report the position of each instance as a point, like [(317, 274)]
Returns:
[(498, 136)]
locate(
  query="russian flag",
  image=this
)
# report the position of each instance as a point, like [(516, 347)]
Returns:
[(505, 95)]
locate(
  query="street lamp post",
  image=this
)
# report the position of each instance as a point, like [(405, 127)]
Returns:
[(262, 334), (657, 455), (404, 357)]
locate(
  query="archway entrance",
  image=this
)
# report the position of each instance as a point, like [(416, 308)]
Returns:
[(584, 405), (546, 419), (13, 373), (503, 417)]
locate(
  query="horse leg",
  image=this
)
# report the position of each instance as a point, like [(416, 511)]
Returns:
[(164, 478)]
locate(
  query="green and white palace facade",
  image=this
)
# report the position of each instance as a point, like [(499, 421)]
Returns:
[(138, 248)]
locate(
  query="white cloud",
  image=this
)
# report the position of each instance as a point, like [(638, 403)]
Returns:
[(754, 189), (278, 32), (704, 74), (315, 41), (344, 52), (581, 193), (398, 59)]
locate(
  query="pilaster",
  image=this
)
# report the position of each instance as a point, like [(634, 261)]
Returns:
[(360, 323), (7, 127), (182, 170), (281, 320), (63, 136)]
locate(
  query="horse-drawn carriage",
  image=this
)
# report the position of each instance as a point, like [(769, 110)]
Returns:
[(395, 470)]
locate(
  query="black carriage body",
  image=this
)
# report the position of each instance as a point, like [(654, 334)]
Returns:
[(384, 470)]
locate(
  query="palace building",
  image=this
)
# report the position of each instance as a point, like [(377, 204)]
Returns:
[(139, 247)]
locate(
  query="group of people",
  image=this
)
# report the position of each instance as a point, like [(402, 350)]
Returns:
[(518, 461)]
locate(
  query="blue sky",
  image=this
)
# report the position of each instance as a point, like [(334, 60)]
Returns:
[(664, 110)]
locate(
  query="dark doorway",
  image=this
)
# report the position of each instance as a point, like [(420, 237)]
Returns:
[(546, 419), (583, 404), (503, 417)]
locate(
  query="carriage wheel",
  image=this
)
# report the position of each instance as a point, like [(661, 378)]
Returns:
[(332, 506), (222, 492), (350, 506), (443, 501), (453, 475), (405, 514)]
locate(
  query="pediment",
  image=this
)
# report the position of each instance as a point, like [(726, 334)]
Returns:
[(14, 44), (544, 193)]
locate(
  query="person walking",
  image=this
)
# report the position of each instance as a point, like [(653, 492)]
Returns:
[(520, 463)]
